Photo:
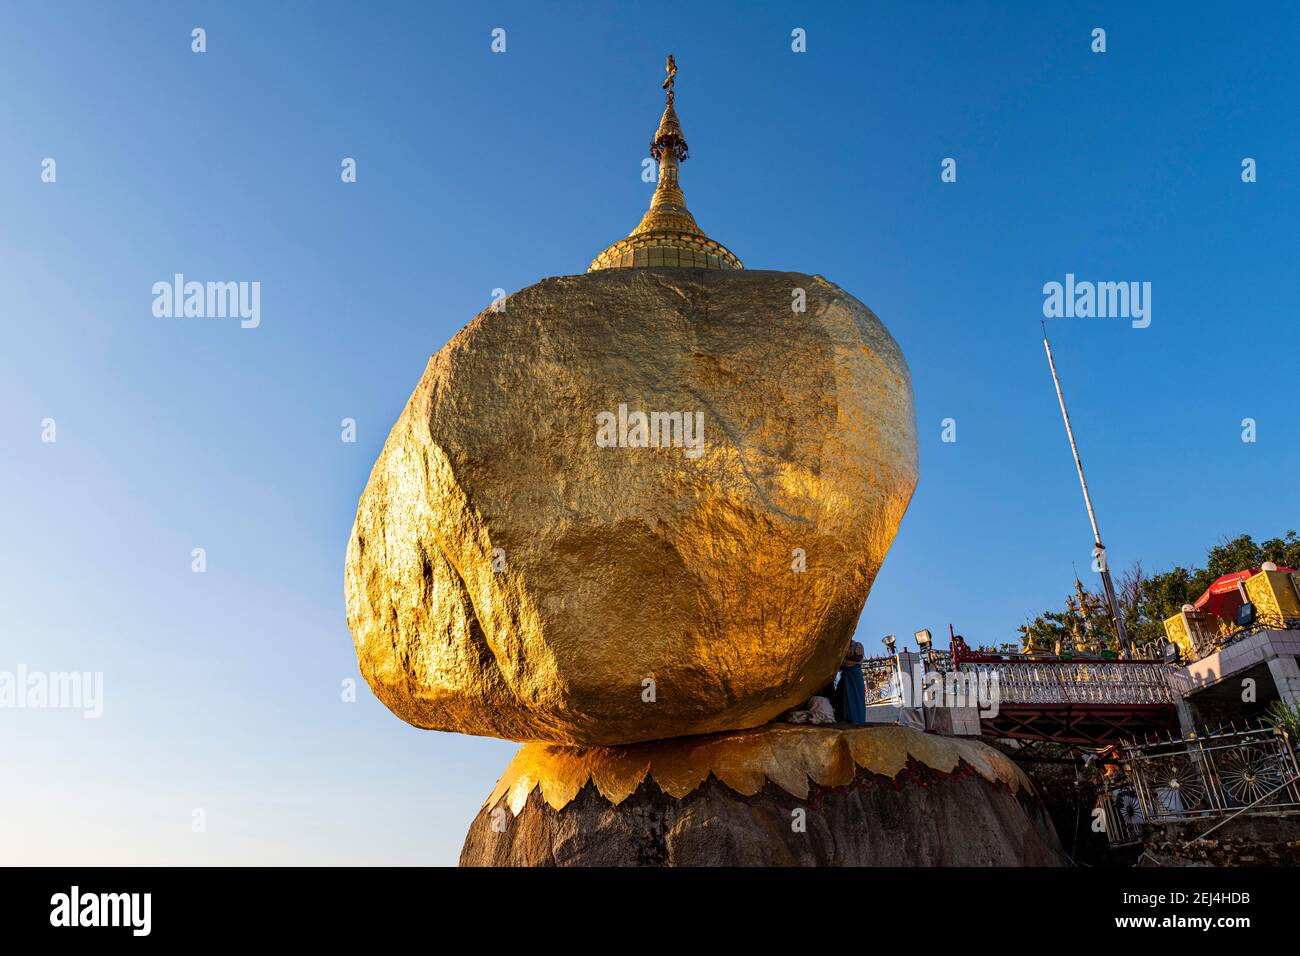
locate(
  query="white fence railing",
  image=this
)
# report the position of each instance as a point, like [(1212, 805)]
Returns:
[(1027, 681), (1077, 682)]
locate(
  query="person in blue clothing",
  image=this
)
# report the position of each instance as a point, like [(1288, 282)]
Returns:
[(851, 695)]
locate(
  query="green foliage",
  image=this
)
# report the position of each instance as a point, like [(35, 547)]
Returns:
[(1286, 716), (1146, 600)]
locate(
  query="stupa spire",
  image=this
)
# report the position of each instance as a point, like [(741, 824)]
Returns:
[(667, 234)]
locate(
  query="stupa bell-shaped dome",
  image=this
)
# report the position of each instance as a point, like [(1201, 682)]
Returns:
[(667, 234)]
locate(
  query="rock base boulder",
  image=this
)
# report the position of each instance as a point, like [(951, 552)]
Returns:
[(978, 813)]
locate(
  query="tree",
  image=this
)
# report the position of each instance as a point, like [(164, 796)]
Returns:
[(1146, 600)]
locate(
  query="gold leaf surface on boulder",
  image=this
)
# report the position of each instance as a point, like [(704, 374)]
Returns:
[(507, 575)]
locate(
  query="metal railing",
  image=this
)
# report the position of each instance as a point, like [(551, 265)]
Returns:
[(1078, 682), (1224, 773), (1028, 680), (1123, 814), (1024, 679), (1207, 641), (881, 678)]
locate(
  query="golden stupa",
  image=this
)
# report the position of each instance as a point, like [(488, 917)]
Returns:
[(640, 503), (667, 234)]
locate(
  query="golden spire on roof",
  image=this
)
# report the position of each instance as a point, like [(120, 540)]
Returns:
[(667, 234)]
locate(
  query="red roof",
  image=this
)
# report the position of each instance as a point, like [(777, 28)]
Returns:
[(1223, 597)]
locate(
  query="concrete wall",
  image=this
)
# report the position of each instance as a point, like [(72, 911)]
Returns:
[(1277, 650)]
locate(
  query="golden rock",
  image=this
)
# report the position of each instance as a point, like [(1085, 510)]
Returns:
[(639, 503), (529, 562)]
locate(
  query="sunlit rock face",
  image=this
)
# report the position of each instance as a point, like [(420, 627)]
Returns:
[(527, 562)]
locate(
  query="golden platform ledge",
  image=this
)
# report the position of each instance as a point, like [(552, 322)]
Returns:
[(789, 755)]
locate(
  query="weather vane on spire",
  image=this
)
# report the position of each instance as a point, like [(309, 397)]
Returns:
[(671, 67)]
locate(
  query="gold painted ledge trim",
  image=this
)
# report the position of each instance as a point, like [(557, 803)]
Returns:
[(786, 754)]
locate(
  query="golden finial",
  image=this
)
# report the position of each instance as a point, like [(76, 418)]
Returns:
[(669, 135), (667, 234)]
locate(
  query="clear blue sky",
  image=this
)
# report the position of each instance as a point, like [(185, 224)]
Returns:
[(478, 170)]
